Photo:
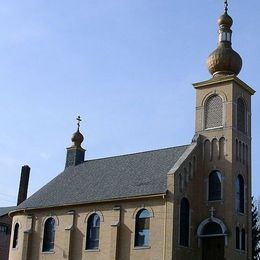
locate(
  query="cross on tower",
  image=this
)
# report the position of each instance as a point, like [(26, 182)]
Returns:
[(79, 120), (226, 5)]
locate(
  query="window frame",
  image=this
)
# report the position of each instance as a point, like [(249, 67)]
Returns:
[(184, 240), (92, 227), (209, 193), (15, 239), (237, 233), (48, 242), (240, 194), (205, 111), (147, 236), (243, 240)]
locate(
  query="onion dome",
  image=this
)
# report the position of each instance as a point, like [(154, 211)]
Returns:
[(75, 153), (77, 138), (224, 60), (225, 20)]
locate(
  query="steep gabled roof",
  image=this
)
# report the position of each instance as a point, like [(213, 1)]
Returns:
[(110, 178)]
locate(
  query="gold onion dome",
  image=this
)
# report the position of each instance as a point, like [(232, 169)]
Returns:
[(224, 60), (225, 20)]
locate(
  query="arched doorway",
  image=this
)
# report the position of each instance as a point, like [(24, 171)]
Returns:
[(212, 235), (213, 242)]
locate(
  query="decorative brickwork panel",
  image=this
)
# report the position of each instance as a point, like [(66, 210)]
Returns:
[(214, 112)]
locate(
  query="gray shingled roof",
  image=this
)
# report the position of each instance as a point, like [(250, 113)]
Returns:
[(6, 210), (110, 178)]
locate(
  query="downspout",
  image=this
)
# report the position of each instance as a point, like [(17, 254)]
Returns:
[(165, 225)]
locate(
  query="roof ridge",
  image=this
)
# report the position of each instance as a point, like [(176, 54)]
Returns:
[(134, 153)]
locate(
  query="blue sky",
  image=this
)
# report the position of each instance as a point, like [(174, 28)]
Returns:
[(125, 66)]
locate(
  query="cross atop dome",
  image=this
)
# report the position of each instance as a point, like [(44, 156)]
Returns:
[(226, 6), (79, 120)]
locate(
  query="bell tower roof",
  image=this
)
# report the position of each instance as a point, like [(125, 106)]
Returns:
[(224, 60), (75, 153)]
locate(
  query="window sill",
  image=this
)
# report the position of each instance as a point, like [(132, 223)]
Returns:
[(183, 247), (141, 247), (209, 201), (48, 252), (92, 250), (213, 128), (240, 251)]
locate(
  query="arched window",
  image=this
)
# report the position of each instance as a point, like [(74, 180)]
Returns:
[(214, 186), (184, 222), (212, 228), (214, 112), (142, 228), (241, 115), (243, 239), (240, 194), (237, 238), (93, 229), (15, 237), (49, 235)]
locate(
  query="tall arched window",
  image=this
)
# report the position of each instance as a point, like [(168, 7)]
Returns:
[(237, 238), (241, 115), (243, 239), (15, 237), (213, 112), (49, 235), (215, 186), (184, 222), (240, 194), (93, 229), (142, 228)]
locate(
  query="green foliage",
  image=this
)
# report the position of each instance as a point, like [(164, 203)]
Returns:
[(255, 232)]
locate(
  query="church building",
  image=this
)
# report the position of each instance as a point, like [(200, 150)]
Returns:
[(191, 202)]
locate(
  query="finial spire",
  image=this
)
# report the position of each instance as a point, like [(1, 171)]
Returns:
[(226, 5), (224, 60), (79, 120)]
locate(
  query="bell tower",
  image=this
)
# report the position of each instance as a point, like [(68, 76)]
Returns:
[(75, 153), (223, 120)]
